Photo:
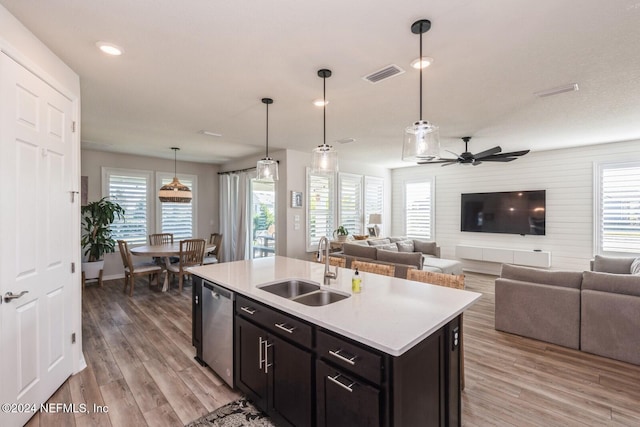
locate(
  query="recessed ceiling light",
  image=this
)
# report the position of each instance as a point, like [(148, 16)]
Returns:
[(208, 132), (320, 102), (110, 48), (426, 61)]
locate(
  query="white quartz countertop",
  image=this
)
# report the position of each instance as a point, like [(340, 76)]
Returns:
[(390, 314)]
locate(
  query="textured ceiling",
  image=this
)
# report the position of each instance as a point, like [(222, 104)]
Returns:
[(205, 64)]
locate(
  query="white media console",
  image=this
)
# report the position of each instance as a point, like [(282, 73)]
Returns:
[(529, 258)]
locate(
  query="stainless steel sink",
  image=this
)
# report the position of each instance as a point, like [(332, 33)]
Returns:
[(319, 298), (291, 288)]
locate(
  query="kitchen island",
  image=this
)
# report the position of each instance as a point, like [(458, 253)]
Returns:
[(393, 349)]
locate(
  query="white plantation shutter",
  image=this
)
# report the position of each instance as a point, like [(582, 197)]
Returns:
[(177, 218), (320, 208), (130, 190), (350, 202), (373, 196), (419, 209), (618, 208)]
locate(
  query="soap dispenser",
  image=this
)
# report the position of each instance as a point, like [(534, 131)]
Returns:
[(356, 282)]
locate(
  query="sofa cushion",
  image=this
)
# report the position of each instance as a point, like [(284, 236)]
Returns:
[(378, 242), (414, 258), (424, 246), (567, 279), (395, 239), (607, 264), (626, 284), (389, 247), (405, 246), (360, 251), (635, 267)]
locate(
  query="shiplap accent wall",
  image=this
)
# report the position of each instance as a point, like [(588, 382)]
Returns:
[(566, 175)]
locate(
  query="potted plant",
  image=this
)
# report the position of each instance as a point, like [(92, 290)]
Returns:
[(341, 232), (96, 240)]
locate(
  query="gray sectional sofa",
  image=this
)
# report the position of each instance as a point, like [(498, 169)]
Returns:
[(595, 311), (400, 251)]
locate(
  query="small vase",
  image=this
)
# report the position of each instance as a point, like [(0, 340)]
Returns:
[(342, 238)]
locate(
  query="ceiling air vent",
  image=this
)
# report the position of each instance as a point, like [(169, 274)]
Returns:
[(383, 74)]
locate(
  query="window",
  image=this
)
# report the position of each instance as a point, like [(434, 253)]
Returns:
[(350, 202), (177, 218), (617, 207), (130, 189), (320, 208), (373, 196), (419, 209)]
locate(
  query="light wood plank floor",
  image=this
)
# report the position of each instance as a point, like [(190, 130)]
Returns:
[(140, 365)]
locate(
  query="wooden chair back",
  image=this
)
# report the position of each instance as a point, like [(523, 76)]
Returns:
[(160, 238), (127, 263), (372, 267), (455, 281), (191, 252), (215, 239)]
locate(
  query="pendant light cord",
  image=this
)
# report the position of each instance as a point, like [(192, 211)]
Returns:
[(421, 66), (324, 110), (267, 143), (175, 162)]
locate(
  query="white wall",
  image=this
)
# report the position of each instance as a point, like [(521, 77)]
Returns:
[(567, 177), (207, 211)]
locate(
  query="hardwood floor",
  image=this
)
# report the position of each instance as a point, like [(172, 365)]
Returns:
[(141, 367)]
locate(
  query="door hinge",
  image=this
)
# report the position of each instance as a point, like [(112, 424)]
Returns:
[(73, 126), (73, 338), (73, 267)]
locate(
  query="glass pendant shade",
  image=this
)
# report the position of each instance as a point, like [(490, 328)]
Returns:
[(324, 160), (421, 142), (175, 192), (267, 170)]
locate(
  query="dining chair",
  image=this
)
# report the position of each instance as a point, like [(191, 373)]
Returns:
[(160, 238), (372, 267), (132, 270), (191, 254), (455, 281), (213, 257)]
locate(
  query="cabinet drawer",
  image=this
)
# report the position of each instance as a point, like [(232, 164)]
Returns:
[(350, 356), (283, 325)]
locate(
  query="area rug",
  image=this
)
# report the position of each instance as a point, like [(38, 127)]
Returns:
[(239, 413)]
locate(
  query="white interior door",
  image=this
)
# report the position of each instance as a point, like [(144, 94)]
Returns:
[(35, 239)]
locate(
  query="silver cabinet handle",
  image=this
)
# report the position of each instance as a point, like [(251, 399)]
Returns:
[(267, 365), (336, 354), (281, 326), (248, 310), (346, 387), (260, 357), (9, 296)]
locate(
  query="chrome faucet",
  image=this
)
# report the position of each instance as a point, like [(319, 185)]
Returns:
[(328, 275)]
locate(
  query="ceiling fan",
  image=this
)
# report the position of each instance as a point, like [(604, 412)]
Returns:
[(491, 155)]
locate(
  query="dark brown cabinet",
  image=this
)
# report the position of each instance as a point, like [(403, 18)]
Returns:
[(274, 372), (196, 316)]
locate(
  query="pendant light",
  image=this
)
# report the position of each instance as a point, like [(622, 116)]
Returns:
[(175, 192), (267, 168), (421, 139), (325, 158)]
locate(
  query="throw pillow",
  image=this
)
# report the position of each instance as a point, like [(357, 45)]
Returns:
[(405, 246), (414, 258), (428, 248), (378, 242), (390, 247), (635, 267), (395, 239)]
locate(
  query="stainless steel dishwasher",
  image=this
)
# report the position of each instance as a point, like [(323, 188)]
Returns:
[(217, 330)]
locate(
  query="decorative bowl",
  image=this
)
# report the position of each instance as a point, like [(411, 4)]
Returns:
[(360, 236)]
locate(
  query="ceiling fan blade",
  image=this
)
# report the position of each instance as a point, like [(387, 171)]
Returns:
[(489, 152), (512, 154), (498, 159), (438, 161), (455, 154)]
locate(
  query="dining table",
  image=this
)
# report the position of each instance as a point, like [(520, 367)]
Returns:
[(165, 251)]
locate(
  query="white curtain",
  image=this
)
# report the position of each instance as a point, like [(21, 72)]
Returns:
[(234, 215)]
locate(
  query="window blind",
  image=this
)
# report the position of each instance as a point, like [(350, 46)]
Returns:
[(350, 202), (130, 192), (418, 209), (373, 196), (619, 210), (320, 205)]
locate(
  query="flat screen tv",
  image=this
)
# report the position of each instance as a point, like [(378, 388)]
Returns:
[(511, 212)]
